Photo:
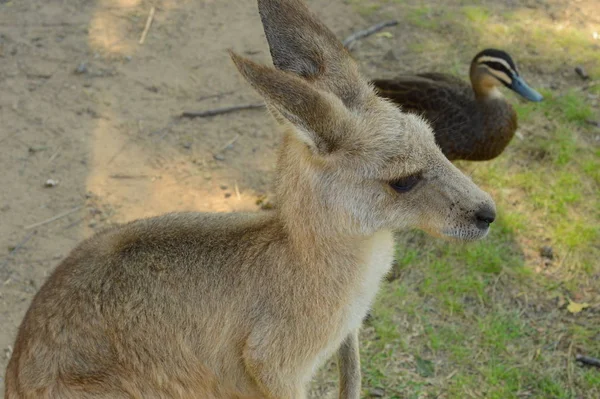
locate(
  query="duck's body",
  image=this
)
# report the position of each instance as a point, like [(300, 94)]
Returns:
[(471, 122)]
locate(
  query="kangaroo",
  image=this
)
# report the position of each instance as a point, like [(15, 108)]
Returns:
[(249, 305)]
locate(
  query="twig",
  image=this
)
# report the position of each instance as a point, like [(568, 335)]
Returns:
[(17, 247), (52, 219), (218, 95), (592, 122), (569, 369), (220, 111), (367, 32), (237, 191), (120, 176), (148, 24), (38, 76), (75, 223), (118, 152), (165, 130), (591, 361), (230, 142), (54, 155)]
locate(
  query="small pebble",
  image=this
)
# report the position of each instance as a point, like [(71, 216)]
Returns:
[(376, 393), (219, 157), (50, 183), (582, 73), (547, 252), (81, 68), (390, 56)]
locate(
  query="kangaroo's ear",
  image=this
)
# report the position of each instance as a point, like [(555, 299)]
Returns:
[(318, 117), (300, 43)]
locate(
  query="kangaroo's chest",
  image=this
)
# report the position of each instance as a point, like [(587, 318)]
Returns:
[(376, 262)]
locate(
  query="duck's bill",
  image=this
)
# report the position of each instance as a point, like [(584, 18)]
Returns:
[(519, 86)]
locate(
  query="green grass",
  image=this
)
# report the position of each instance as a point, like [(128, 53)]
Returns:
[(365, 7), (477, 15), (490, 319), (421, 17)]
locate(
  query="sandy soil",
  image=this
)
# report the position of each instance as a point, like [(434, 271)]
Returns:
[(84, 104)]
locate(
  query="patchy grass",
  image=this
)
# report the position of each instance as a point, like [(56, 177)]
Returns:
[(422, 17), (490, 319), (475, 14), (364, 8)]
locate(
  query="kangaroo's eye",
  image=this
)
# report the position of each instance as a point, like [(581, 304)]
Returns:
[(407, 183)]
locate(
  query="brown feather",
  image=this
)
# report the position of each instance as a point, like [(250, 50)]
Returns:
[(465, 127)]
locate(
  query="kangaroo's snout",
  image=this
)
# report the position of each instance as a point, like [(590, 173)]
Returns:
[(484, 217)]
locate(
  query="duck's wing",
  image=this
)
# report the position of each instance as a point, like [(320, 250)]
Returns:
[(445, 78), (450, 109), (425, 95)]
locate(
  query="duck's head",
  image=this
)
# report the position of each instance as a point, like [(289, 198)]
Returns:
[(491, 68)]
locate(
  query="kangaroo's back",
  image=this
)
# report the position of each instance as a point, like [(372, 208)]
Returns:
[(148, 278)]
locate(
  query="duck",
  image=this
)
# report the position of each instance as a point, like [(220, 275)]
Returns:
[(471, 122)]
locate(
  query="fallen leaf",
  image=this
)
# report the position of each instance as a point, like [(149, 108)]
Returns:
[(575, 307), (387, 35)]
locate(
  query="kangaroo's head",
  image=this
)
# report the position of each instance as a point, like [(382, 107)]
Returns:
[(354, 158)]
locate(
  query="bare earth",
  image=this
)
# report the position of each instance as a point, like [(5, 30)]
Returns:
[(84, 104)]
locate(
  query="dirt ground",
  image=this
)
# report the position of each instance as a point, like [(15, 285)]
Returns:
[(84, 104)]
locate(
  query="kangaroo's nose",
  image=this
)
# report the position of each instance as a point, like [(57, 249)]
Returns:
[(484, 217)]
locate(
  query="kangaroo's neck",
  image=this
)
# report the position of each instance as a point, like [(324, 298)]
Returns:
[(315, 226)]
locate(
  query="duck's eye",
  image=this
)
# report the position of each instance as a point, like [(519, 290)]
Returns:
[(407, 183)]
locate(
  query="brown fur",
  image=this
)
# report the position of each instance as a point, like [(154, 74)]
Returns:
[(249, 305)]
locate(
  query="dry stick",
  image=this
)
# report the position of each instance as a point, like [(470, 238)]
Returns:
[(220, 111), (347, 42), (15, 249), (54, 155), (237, 191), (147, 27), (230, 142), (52, 219), (120, 176), (118, 152), (591, 361), (569, 369), (593, 123), (218, 95), (367, 32)]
